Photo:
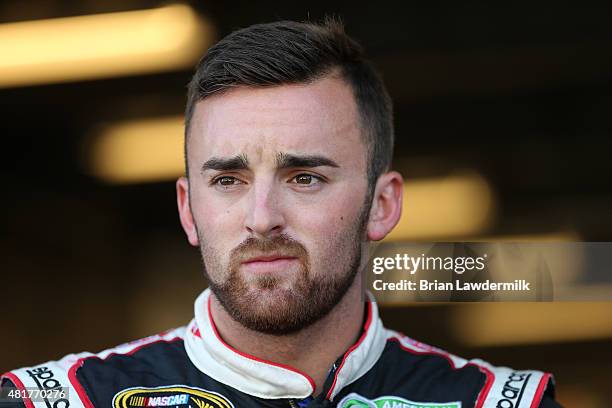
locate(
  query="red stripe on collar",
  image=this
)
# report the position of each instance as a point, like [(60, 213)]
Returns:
[(366, 326)]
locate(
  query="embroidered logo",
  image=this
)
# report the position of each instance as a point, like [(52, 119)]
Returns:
[(170, 396), (357, 401)]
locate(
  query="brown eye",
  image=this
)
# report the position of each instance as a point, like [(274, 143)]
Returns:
[(306, 180), (226, 181), (303, 179)]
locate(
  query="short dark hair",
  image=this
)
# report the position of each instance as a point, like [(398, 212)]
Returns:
[(289, 52)]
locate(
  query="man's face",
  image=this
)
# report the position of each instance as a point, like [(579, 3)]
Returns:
[(277, 193)]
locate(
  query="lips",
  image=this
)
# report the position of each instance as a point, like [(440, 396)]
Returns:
[(268, 259), (269, 264)]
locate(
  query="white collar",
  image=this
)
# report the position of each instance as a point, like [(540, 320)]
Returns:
[(265, 379)]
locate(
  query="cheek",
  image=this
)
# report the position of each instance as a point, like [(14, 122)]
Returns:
[(218, 226), (214, 214), (330, 225), (331, 220)]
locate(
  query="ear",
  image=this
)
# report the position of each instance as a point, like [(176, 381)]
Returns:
[(182, 200), (386, 205)]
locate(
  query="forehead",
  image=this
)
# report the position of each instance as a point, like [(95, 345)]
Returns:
[(320, 117)]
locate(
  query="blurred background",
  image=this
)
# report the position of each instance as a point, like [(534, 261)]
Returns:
[(503, 130)]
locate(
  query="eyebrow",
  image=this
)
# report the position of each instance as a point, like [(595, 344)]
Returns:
[(285, 161), (238, 162)]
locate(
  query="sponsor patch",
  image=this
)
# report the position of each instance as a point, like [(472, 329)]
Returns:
[(46, 380), (170, 396), (513, 390), (357, 401)]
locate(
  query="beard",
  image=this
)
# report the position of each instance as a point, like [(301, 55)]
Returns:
[(266, 303)]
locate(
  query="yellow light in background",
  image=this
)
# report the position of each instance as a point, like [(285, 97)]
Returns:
[(102, 45), (557, 236), (499, 324), (453, 206), (139, 151)]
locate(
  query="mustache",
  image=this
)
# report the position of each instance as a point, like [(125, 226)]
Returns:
[(281, 245)]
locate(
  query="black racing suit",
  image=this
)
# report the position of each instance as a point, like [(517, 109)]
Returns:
[(193, 367)]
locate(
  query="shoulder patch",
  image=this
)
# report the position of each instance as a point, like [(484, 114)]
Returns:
[(514, 388), (42, 380), (170, 396)]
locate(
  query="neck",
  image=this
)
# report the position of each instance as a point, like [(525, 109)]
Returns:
[(312, 350)]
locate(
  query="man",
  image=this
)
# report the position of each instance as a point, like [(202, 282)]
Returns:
[(289, 139)]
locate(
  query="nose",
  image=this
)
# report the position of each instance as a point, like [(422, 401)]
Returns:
[(264, 215)]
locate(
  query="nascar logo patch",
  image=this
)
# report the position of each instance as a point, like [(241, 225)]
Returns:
[(169, 396)]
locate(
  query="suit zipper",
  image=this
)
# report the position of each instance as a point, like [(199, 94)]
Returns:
[(330, 375)]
